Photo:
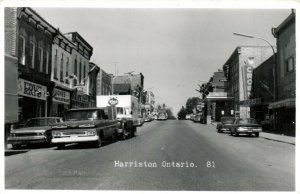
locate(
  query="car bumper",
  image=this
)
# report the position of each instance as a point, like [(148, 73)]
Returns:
[(249, 130), (224, 129), (26, 140), (75, 139)]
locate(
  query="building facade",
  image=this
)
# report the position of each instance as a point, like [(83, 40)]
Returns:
[(262, 90), (60, 72), (80, 57), (284, 107), (238, 71), (35, 37), (104, 83), (218, 103)]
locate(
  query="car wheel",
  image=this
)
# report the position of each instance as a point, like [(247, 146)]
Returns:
[(60, 146), (16, 146), (231, 133), (133, 131), (122, 136), (98, 143), (256, 134), (236, 134)]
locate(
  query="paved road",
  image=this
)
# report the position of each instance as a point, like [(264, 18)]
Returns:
[(207, 160)]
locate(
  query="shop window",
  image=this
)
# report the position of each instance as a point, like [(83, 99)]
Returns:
[(22, 50), (289, 65)]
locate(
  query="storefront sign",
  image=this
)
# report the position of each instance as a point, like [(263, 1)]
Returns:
[(251, 102), (32, 90), (248, 70), (61, 96)]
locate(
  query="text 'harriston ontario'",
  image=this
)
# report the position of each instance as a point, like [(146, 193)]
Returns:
[(145, 164)]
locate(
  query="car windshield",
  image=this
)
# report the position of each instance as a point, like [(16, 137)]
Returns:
[(81, 115), (246, 121), (40, 122), (227, 120)]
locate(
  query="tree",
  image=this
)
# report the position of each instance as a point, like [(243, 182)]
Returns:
[(182, 113), (191, 103)]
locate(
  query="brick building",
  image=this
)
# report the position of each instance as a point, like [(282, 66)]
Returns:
[(238, 72), (284, 107), (35, 37)]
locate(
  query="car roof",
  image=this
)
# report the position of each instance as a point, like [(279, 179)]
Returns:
[(46, 118), (94, 108)]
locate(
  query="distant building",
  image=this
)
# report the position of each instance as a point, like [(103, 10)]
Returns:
[(284, 107), (92, 83), (104, 83), (217, 101), (150, 102), (238, 71)]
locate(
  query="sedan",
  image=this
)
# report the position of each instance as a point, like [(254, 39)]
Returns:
[(225, 124), (35, 130), (245, 126)]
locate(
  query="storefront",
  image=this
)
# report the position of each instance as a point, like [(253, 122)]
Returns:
[(60, 102), (32, 98), (284, 116), (79, 99)]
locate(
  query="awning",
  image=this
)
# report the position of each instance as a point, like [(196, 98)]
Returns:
[(288, 103)]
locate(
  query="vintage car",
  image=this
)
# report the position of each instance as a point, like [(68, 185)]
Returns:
[(162, 116), (35, 130), (245, 126), (140, 121), (86, 125), (225, 124)]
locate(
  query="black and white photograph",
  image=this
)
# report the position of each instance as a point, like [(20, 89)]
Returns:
[(149, 98)]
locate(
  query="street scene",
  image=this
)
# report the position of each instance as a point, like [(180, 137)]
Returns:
[(150, 99)]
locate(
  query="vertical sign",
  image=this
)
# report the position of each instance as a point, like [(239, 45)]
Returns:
[(248, 71)]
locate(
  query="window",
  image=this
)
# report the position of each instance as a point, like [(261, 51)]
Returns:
[(22, 50), (75, 70), (40, 58), (80, 69), (289, 65), (55, 65), (31, 52), (62, 68), (84, 71), (67, 70), (47, 60)]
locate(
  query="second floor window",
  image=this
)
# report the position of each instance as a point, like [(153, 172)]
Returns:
[(47, 61), (84, 71), (67, 69), (55, 65), (80, 69), (40, 58), (289, 65), (75, 70), (62, 68), (22, 50), (31, 54)]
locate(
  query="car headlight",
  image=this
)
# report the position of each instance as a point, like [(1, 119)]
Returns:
[(92, 133), (241, 129), (41, 134), (56, 134)]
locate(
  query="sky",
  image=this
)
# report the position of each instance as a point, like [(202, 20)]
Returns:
[(175, 49)]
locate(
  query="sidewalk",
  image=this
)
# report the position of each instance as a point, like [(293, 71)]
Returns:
[(274, 137)]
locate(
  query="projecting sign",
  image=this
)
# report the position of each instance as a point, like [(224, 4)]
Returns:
[(32, 90)]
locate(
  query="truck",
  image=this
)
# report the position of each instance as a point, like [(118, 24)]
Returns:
[(127, 108), (86, 125)]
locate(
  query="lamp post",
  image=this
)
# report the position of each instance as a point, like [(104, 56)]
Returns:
[(274, 58)]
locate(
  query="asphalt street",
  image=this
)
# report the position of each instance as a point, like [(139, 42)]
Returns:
[(166, 155)]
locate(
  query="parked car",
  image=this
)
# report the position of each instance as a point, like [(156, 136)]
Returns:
[(140, 121), (162, 116), (225, 124), (86, 125), (148, 118), (35, 130), (245, 126)]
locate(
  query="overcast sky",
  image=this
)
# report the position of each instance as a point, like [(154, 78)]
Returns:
[(173, 48)]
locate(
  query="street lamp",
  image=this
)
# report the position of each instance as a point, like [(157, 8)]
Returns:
[(274, 56)]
